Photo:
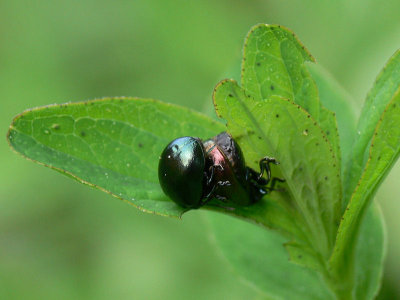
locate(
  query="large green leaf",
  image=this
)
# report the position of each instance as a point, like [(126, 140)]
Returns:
[(112, 144), (258, 256), (279, 128), (386, 84), (274, 64), (383, 153)]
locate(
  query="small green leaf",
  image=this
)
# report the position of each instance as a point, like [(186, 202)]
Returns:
[(279, 128), (112, 144), (386, 84), (258, 256), (383, 153), (274, 64)]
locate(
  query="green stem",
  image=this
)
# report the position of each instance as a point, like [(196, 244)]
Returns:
[(340, 283)]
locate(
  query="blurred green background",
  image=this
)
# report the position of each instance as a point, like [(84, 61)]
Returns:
[(63, 240)]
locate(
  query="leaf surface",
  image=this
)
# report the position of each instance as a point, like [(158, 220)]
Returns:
[(383, 153), (385, 86), (370, 254), (274, 64), (336, 99), (279, 128), (375, 151), (258, 256), (112, 144)]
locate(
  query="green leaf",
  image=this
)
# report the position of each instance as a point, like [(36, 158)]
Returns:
[(272, 212), (274, 64), (112, 144), (336, 99), (375, 151), (258, 256), (370, 255), (279, 128), (386, 84), (383, 153)]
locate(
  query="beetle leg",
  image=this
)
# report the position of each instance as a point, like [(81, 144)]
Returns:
[(273, 182), (221, 198), (254, 176), (264, 166), (209, 180), (211, 194), (259, 181), (211, 177)]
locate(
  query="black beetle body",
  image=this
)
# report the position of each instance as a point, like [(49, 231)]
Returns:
[(192, 172), (181, 171), (232, 176)]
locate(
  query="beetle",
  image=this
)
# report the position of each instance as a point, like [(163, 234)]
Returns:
[(192, 172)]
